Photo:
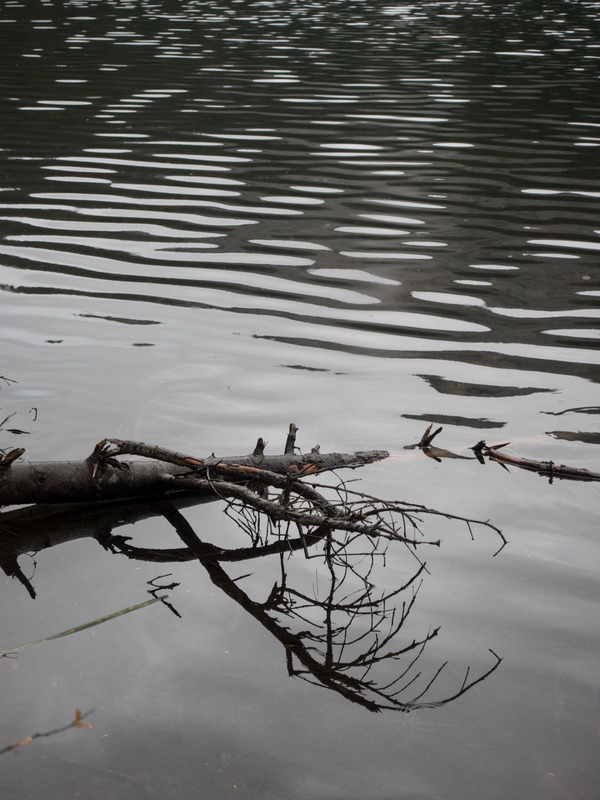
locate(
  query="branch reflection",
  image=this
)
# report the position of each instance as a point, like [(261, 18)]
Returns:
[(343, 634), (338, 629)]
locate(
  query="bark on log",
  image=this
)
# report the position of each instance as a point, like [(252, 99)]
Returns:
[(549, 469), (99, 478)]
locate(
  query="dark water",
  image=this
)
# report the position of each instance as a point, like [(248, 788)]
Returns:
[(220, 217)]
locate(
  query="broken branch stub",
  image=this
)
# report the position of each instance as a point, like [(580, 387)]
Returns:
[(102, 476), (248, 480), (269, 499)]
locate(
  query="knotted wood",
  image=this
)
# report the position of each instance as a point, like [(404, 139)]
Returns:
[(103, 477)]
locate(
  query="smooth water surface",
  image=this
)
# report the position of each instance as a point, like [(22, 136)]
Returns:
[(219, 217)]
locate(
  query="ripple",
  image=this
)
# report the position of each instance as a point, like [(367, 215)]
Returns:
[(406, 204), (187, 191), (208, 179), (494, 267), (193, 158), (293, 200), (126, 162), (569, 243), (192, 256), (397, 118), (179, 191), (520, 53), (112, 227), (352, 154), (385, 255), (383, 344), (110, 200), (245, 137), (169, 190), (352, 146), (352, 275), (65, 103), (83, 274), (293, 244), (155, 250), (425, 243), (77, 179), (451, 144), (529, 313), (318, 189), (393, 218), (564, 256), (579, 333), (366, 231), (450, 299)]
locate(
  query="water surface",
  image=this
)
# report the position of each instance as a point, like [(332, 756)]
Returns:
[(220, 217)]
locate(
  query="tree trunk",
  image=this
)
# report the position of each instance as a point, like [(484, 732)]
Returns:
[(102, 477)]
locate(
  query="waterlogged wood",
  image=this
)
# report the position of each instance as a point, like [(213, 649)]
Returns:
[(75, 482), (288, 462), (102, 477), (495, 453), (33, 528), (547, 468)]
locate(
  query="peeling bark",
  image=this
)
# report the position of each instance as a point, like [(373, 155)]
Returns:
[(103, 477)]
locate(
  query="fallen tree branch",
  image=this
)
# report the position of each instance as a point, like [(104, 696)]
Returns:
[(248, 481), (482, 451), (102, 477), (341, 634), (547, 468)]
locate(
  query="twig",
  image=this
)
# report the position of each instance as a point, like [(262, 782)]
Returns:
[(83, 627), (77, 723)]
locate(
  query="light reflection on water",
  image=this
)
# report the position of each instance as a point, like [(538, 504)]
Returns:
[(365, 218)]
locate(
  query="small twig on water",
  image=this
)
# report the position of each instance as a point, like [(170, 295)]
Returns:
[(76, 723)]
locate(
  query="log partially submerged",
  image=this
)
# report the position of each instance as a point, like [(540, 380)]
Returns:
[(546, 468), (278, 512), (86, 498), (102, 477), (494, 452)]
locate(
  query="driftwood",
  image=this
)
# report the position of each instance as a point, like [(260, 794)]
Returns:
[(482, 451), (547, 468), (338, 631), (102, 477), (269, 486)]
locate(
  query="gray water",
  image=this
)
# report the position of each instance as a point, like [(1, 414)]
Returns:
[(221, 217)]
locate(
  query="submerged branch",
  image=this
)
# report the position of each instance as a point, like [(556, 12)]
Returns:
[(546, 468), (12, 650), (345, 637), (76, 723), (102, 477)]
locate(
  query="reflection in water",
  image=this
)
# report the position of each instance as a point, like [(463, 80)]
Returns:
[(310, 204), (591, 437), (343, 633), (467, 422), (477, 390)]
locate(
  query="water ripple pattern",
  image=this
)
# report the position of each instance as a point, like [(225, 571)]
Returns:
[(389, 180)]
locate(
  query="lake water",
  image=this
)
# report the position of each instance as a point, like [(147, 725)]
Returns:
[(220, 217)]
